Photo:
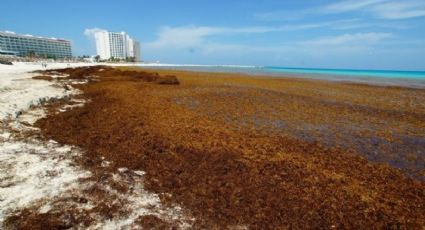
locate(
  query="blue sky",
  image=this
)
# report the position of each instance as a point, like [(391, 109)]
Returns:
[(360, 34)]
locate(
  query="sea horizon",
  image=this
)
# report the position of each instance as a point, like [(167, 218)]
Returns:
[(277, 66), (405, 78)]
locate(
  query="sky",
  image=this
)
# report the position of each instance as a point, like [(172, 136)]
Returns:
[(353, 34)]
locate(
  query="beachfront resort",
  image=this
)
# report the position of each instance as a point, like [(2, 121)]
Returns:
[(110, 46), (116, 45), (12, 44)]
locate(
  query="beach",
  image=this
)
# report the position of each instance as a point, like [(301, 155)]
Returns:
[(179, 149)]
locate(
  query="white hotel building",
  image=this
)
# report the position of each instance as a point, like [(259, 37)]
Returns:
[(117, 45)]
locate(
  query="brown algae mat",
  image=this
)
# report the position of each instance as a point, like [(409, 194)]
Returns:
[(263, 153)]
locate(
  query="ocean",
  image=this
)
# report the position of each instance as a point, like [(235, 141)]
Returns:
[(415, 79)]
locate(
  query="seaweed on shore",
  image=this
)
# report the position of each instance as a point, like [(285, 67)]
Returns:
[(226, 174), (109, 72)]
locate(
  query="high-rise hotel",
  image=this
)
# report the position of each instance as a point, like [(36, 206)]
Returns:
[(116, 45), (29, 45)]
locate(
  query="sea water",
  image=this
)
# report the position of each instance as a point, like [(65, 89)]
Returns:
[(414, 79)]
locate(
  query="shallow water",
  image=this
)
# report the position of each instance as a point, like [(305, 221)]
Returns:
[(414, 79)]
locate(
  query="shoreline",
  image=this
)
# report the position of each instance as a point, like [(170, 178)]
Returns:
[(214, 150), (190, 142), (367, 80), (413, 83)]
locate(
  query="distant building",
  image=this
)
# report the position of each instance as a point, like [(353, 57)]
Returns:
[(29, 45), (134, 49), (116, 45)]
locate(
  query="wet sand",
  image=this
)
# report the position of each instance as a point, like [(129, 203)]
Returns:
[(259, 152)]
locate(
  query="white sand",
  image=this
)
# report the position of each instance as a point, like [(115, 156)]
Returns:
[(38, 175), (18, 91), (31, 171)]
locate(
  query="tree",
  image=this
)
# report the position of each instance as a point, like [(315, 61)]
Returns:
[(31, 54), (130, 59), (97, 58), (51, 56)]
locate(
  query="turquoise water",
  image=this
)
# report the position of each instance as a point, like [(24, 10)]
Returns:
[(349, 72), (415, 79)]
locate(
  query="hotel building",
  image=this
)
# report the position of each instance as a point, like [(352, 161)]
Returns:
[(116, 45), (29, 45)]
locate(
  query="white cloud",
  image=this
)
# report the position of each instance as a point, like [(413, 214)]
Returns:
[(193, 36), (350, 5), (181, 37), (387, 25), (399, 10), (91, 31), (198, 38), (341, 45), (349, 39), (383, 9)]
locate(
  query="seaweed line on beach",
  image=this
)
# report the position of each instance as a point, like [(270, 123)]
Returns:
[(229, 175)]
